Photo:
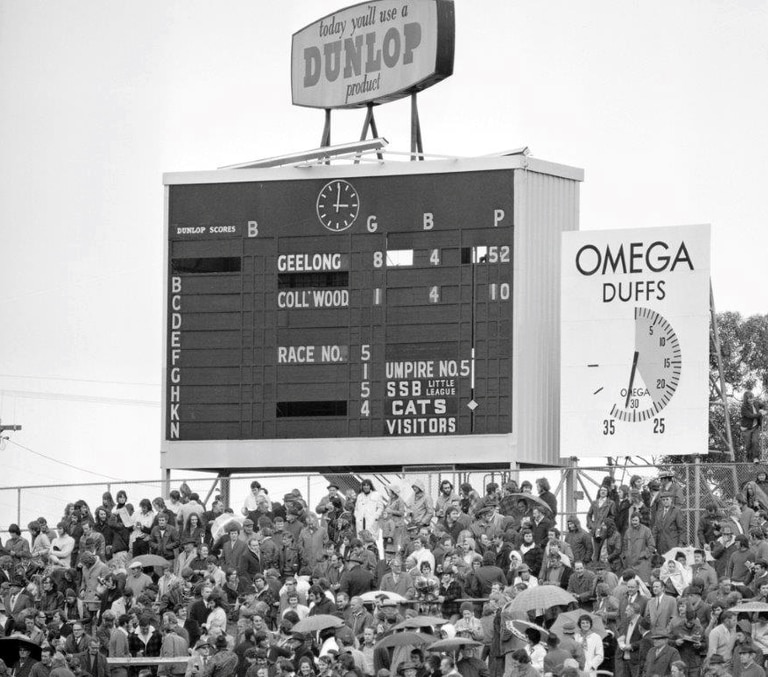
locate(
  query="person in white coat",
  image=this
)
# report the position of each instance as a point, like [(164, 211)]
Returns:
[(368, 508), (592, 643)]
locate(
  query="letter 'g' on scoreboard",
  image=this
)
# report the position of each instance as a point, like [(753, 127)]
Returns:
[(365, 315)]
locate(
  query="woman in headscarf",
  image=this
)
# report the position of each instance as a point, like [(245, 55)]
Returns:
[(675, 578)]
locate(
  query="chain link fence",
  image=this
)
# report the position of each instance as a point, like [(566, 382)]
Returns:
[(574, 487)]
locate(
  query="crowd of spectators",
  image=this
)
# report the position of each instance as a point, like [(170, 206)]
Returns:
[(224, 591)]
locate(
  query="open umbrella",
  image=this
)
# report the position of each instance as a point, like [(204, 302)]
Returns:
[(573, 617), (453, 644), (317, 623), (541, 597), (404, 639), (541, 503), (688, 552), (150, 561), (218, 526), (374, 595), (9, 649), (750, 607), (519, 627), (419, 622)]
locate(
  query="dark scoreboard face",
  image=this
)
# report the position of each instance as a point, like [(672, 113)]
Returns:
[(357, 307)]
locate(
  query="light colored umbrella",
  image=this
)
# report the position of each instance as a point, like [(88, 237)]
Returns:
[(316, 623), (520, 627), (750, 607), (374, 595), (405, 639), (218, 526), (419, 622), (541, 597), (573, 617), (688, 552), (150, 561), (453, 644)]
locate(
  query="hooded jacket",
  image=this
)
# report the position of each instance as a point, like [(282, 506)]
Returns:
[(580, 541)]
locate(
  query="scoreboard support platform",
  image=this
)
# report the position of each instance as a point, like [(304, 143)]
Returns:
[(375, 315)]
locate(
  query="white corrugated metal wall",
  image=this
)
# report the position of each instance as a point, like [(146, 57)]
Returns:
[(545, 206)]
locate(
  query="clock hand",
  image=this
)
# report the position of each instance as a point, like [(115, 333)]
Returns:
[(631, 378), (338, 197)]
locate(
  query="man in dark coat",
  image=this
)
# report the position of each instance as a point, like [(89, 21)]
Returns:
[(629, 635), (486, 575), (92, 661), (669, 526), (356, 580), (661, 656)]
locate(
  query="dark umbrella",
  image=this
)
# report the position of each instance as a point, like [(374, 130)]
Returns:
[(419, 622), (404, 639), (9, 649), (533, 499), (316, 623)]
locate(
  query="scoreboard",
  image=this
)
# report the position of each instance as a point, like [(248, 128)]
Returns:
[(362, 315)]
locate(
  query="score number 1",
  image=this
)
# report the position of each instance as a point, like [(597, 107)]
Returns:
[(365, 384)]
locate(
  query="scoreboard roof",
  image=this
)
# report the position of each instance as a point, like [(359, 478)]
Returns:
[(369, 315)]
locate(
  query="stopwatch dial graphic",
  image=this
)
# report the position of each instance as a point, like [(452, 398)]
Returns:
[(653, 369)]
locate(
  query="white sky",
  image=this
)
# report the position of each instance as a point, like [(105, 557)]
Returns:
[(664, 104)]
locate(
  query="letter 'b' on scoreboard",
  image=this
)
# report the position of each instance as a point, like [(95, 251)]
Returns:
[(355, 316)]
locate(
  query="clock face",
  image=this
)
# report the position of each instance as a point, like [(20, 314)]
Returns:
[(654, 373), (338, 205)]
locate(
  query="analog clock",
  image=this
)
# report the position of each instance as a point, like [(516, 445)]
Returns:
[(654, 374), (338, 205)]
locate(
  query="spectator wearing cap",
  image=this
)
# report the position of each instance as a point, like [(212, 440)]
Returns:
[(571, 645), (748, 666), (669, 526), (330, 505), (661, 656), (187, 555), (669, 484), (741, 562), (723, 548), (356, 580), (136, 581), (17, 600)]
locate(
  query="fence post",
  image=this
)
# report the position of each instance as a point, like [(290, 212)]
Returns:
[(18, 506), (697, 495)]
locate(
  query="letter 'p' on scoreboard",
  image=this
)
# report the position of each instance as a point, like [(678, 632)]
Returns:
[(405, 313)]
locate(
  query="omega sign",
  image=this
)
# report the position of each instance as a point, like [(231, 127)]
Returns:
[(373, 52)]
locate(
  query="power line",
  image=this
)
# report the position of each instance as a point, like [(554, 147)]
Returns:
[(96, 399), (79, 380), (55, 460)]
